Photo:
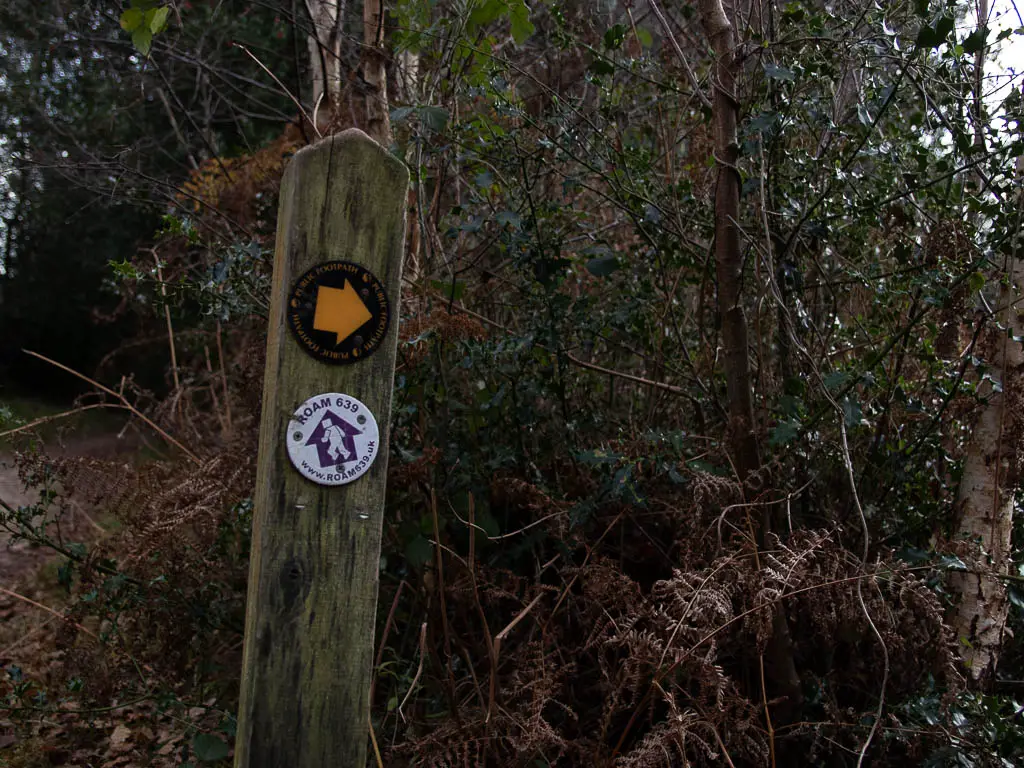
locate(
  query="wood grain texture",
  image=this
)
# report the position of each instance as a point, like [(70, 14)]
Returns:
[(314, 568)]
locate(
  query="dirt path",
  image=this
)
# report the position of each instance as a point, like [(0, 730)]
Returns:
[(19, 558), (16, 558)]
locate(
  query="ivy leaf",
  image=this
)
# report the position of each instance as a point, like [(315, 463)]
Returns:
[(1016, 599), (598, 456), (913, 555), (765, 123), (835, 380), (793, 12), (933, 37), (624, 488), (951, 563), (209, 748)]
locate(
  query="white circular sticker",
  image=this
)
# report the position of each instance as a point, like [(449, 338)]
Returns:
[(333, 439)]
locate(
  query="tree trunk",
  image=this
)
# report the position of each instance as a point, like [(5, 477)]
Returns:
[(780, 668), (378, 120), (328, 17), (728, 257), (984, 510), (985, 500)]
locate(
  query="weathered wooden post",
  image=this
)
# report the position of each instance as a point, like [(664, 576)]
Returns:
[(322, 458)]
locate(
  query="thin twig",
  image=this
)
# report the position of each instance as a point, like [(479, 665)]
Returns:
[(679, 53), (223, 378), (373, 740), (5, 652), (505, 535), (419, 668), (55, 416), (590, 552), (573, 359), (167, 316), (122, 398), (49, 610), (480, 610), (512, 624), (441, 595), (384, 634), (384, 638), (281, 85)]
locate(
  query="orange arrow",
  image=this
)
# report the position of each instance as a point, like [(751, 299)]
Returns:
[(340, 311)]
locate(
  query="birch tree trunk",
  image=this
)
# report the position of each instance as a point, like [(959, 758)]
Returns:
[(984, 510), (378, 120), (328, 17), (986, 495)]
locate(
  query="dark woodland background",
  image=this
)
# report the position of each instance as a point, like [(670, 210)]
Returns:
[(707, 398)]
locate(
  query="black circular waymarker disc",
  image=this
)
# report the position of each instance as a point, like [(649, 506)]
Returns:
[(339, 312)]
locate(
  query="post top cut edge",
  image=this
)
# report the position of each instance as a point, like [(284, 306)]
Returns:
[(354, 137)]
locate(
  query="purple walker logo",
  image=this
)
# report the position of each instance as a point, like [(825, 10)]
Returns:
[(332, 439)]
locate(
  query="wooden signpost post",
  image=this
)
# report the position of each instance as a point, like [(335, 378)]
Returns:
[(323, 458)]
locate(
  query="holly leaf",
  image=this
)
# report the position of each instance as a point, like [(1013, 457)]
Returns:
[(784, 432), (602, 266), (614, 37), (434, 118), (851, 412), (779, 73), (975, 41), (209, 748)]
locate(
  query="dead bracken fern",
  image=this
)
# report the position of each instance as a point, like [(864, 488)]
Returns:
[(630, 677)]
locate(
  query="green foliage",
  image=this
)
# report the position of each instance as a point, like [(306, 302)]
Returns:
[(142, 21), (209, 748), (560, 431)]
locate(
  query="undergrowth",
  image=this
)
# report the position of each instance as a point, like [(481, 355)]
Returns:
[(572, 573)]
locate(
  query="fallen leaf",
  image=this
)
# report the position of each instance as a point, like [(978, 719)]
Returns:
[(120, 735)]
